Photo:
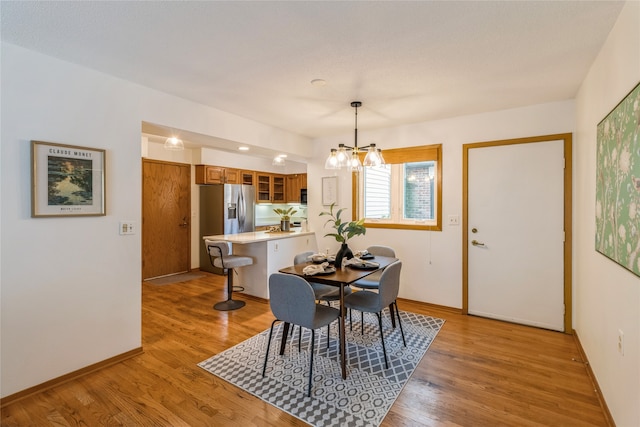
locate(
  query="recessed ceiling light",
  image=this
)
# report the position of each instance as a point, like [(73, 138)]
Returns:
[(318, 82), (243, 148)]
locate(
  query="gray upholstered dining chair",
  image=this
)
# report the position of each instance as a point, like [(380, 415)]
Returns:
[(323, 292), (375, 302), (372, 281), (293, 301), (221, 257)]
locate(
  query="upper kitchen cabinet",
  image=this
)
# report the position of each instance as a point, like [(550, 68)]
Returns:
[(263, 190), (279, 187), (248, 177), (270, 188), (295, 182), (206, 174)]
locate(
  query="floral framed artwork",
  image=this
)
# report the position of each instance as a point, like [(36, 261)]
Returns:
[(67, 180), (618, 183)]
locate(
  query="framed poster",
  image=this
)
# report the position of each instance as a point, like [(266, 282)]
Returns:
[(329, 190), (618, 184), (66, 180)]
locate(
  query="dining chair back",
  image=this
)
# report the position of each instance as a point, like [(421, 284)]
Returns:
[(293, 301), (323, 292), (380, 250), (302, 257), (375, 302), (220, 256), (372, 281)]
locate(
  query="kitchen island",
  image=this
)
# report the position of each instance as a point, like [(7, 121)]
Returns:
[(270, 251)]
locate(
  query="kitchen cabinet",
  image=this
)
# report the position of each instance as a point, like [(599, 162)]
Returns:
[(207, 174), (248, 177), (278, 195), (270, 188), (295, 182), (263, 192)]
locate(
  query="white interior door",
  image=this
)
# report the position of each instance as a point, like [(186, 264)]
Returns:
[(516, 233)]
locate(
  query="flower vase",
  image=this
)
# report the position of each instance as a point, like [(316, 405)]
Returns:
[(284, 225), (343, 253)]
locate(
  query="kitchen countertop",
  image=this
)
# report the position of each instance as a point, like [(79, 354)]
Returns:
[(258, 236)]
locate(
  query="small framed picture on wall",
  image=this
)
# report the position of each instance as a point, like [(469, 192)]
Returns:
[(329, 190)]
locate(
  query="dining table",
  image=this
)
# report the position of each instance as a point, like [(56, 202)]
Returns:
[(341, 278)]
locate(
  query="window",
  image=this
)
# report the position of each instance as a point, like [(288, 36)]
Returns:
[(403, 193)]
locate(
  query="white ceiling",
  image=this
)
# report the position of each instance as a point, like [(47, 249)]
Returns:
[(406, 61)]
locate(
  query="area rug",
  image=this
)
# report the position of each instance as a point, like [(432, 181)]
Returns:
[(362, 399), (176, 278)]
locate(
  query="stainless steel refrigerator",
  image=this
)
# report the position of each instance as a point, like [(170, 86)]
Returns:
[(224, 209)]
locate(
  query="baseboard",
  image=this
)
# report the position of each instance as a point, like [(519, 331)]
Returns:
[(434, 306), (68, 377), (594, 382)]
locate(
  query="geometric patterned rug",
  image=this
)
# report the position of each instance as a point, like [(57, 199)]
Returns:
[(362, 399)]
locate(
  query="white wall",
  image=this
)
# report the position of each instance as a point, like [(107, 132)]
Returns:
[(607, 296), (432, 260), (71, 286)]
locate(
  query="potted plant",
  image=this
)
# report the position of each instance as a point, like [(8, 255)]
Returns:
[(343, 232), (285, 217)]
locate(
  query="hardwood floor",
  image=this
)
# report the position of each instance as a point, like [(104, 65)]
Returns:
[(478, 372)]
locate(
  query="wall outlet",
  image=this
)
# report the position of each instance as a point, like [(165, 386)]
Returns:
[(621, 342), (127, 228), (454, 220)]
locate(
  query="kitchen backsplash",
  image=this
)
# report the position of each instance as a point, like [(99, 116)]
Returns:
[(266, 216)]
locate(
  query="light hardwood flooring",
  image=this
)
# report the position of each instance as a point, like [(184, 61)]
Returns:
[(478, 372)]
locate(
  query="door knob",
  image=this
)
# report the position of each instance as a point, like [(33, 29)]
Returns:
[(476, 243), (184, 222)]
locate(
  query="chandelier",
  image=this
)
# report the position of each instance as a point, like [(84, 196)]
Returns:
[(345, 156)]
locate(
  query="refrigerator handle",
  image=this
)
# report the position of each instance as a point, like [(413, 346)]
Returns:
[(241, 211)]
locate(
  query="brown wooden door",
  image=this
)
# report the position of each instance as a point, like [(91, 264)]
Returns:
[(166, 228)]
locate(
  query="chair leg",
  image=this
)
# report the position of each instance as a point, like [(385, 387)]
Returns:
[(230, 303), (384, 350), (328, 332), (393, 319), (266, 355), (313, 342), (362, 322), (299, 338), (399, 322)]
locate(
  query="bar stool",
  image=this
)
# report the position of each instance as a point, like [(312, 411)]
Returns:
[(220, 257)]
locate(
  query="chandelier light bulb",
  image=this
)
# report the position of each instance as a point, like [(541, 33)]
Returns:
[(332, 160), (372, 159)]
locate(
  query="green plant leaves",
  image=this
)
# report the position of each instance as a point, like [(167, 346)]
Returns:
[(344, 230)]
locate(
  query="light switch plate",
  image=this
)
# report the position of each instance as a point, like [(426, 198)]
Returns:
[(128, 228)]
